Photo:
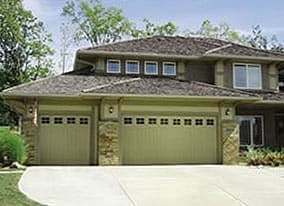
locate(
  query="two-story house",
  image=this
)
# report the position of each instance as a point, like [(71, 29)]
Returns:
[(158, 100)]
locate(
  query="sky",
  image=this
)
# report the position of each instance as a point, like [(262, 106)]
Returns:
[(186, 14)]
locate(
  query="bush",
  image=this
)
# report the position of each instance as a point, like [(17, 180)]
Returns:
[(12, 147), (264, 156)]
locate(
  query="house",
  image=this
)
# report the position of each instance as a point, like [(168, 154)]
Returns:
[(157, 100)]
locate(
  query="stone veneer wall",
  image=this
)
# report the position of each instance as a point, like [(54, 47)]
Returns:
[(108, 148), (230, 137), (29, 132)]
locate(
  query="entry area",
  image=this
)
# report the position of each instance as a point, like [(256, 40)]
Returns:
[(168, 140), (64, 140)]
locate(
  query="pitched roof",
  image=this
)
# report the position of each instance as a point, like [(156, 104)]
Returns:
[(185, 46), (270, 95), (75, 83)]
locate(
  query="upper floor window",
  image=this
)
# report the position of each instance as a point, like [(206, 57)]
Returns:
[(132, 67), (151, 68), (113, 66), (169, 68), (247, 76)]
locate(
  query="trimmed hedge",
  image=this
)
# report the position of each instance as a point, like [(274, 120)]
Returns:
[(12, 147)]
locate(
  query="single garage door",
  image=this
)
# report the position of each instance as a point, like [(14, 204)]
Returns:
[(168, 140), (64, 140)]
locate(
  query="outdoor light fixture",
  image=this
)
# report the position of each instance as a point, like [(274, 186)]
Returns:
[(110, 109), (227, 112), (31, 109)]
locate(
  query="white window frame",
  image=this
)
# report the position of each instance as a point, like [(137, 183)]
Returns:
[(175, 69), (246, 66), (251, 131), (155, 62), (126, 69), (114, 72)]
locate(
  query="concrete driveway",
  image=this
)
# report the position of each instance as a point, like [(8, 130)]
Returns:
[(155, 185)]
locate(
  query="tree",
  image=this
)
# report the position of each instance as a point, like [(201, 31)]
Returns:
[(151, 29), (221, 31), (66, 40), (260, 41), (95, 23), (24, 45), (24, 48)]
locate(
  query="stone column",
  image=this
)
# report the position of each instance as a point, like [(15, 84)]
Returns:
[(108, 150), (30, 134), (230, 137)]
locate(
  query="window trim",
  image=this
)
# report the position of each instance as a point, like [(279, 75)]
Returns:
[(126, 68), (246, 66), (119, 63), (251, 131), (175, 69), (155, 62)]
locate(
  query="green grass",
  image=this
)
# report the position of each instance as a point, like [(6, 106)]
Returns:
[(9, 192)]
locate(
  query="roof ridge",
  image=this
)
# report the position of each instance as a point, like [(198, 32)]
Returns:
[(111, 84)]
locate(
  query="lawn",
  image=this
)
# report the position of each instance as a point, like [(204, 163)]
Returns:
[(9, 192)]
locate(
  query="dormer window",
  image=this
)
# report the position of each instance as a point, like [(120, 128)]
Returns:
[(132, 67), (151, 68), (247, 76), (169, 68), (113, 66)]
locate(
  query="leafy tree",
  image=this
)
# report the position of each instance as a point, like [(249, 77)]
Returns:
[(24, 45), (24, 48), (258, 40), (151, 29), (221, 31), (95, 23)]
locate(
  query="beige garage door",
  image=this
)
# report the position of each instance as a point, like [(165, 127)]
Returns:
[(168, 140), (64, 140)]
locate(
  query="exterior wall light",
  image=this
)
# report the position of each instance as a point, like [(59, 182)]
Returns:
[(31, 109), (110, 109), (227, 112)]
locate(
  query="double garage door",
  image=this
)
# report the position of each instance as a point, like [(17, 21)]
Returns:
[(64, 140), (168, 140)]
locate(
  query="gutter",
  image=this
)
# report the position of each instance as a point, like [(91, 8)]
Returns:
[(101, 95), (242, 57), (253, 99)]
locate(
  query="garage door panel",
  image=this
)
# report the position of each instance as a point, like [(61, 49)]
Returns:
[(169, 140), (65, 140)]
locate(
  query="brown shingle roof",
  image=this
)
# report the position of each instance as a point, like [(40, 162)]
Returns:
[(76, 84), (190, 46)]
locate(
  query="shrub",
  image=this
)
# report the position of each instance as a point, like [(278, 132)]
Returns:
[(264, 156), (12, 147)]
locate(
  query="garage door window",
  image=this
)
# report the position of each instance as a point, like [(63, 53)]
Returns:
[(187, 122), (164, 121), (58, 120), (84, 120), (210, 122), (199, 122), (45, 120), (152, 121), (127, 120), (176, 121), (71, 120), (140, 121)]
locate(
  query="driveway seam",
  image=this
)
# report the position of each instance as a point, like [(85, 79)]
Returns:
[(231, 195), (123, 189)]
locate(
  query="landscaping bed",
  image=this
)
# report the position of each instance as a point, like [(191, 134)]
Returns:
[(263, 156)]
